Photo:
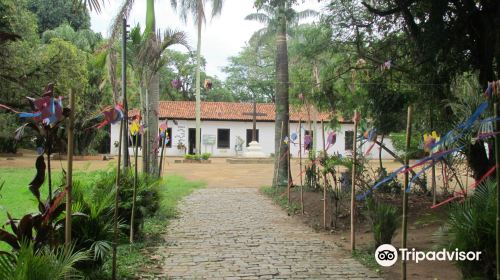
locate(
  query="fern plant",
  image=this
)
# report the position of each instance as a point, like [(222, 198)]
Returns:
[(471, 227), (31, 264), (384, 219)]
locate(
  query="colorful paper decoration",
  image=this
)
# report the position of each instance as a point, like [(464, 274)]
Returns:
[(370, 134), (47, 110), (177, 83), (430, 141), (286, 140), (307, 142), (111, 115), (208, 84), (294, 136), (331, 139), (163, 130)]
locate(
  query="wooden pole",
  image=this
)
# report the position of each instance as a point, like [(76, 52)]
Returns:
[(134, 194), (115, 215), (161, 155), (288, 160), (497, 160), (300, 168), (325, 183), (69, 175), (353, 183), (405, 194)]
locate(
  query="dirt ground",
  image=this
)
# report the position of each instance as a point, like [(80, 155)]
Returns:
[(423, 222)]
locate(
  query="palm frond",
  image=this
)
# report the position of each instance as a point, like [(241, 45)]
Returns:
[(260, 17), (217, 7), (124, 12), (306, 14)]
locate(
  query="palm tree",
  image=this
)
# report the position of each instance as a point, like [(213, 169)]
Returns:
[(147, 57), (197, 9), (277, 18)]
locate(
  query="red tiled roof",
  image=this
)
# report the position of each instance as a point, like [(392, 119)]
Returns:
[(229, 111)]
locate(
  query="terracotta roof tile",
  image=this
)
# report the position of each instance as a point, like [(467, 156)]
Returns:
[(233, 111)]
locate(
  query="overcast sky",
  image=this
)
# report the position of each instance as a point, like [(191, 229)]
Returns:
[(222, 37)]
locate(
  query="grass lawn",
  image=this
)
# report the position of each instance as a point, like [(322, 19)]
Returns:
[(16, 198)]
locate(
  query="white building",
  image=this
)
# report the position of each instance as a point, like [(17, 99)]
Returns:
[(225, 124)]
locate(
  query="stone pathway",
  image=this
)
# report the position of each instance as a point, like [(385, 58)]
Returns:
[(239, 234)]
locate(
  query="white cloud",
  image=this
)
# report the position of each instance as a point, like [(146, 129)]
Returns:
[(222, 37)]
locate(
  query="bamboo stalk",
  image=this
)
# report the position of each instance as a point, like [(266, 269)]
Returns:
[(288, 171), (300, 168), (353, 183), (161, 156), (325, 182), (69, 175), (405, 194), (497, 160), (115, 215), (134, 194)]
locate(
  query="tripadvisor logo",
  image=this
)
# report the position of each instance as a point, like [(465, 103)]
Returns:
[(387, 255)]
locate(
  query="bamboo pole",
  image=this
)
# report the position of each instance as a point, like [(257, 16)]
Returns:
[(300, 168), (69, 175), (325, 183), (497, 161), (115, 214), (353, 183), (161, 155), (405, 194), (134, 194), (289, 169)]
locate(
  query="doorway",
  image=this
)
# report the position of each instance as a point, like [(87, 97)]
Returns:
[(192, 140)]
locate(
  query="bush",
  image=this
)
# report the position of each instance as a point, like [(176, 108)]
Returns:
[(148, 196), (206, 156), (471, 227), (384, 221)]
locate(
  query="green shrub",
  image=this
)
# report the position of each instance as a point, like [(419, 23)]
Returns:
[(206, 156), (93, 232), (384, 220), (471, 227), (148, 196), (28, 263)]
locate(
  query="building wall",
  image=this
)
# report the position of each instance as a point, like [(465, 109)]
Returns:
[(266, 138)]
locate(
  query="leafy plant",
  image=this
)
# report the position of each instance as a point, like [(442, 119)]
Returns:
[(148, 197), (471, 227), (206, 156), (95, 231), (384, 221), (31, 264), (41, 228)]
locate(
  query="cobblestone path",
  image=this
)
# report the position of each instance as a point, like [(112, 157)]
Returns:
[(240, 234)]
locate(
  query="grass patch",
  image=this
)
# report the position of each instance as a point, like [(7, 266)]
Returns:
[(366, 258), (279, 196), (142, 257)]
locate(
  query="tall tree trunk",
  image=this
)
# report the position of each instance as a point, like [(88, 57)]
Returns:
[(282, 109), (154, 97), (126, 157), (198, 91)]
